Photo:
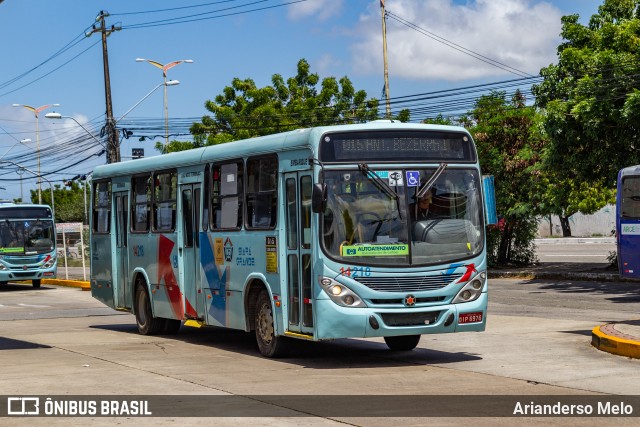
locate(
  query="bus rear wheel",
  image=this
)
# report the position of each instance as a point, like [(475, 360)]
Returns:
[(147, 324), (269, 344), (36, 283), (403, 342)]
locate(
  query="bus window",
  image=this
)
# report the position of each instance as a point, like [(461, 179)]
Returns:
[(141, 203), (164, 202), (631, 197), (226, 196), (207, 198), (101, 206), (262, 192)]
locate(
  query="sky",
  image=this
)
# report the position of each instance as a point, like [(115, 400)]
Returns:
[(433, 45)]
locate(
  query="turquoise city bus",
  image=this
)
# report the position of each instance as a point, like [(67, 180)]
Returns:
[(311, 234), (27, 243)]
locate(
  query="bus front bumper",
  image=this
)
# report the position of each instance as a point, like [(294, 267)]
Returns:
[(334, 321), (15, 274)]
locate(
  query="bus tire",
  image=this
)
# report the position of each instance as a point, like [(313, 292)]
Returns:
[(36, 283), (403, 342), (171, 326), (147, 324), (269, 344)]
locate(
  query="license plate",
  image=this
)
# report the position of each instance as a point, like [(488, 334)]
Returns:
[(470, 317)]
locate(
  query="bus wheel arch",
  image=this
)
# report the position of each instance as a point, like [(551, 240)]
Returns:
[(261, 319), (147, 323)]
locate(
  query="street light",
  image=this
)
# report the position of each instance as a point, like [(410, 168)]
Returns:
[(165, 84), (24, 141), (60, 116), (36, 111), (23, 168), (165, 68)]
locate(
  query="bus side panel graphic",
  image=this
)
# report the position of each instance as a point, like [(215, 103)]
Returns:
[(217, 280), (166, 274)]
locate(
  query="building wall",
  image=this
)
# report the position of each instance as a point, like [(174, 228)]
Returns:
[(601, 223)]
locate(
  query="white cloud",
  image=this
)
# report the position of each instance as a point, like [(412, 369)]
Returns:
[(323, 9), (325, 64), (522, 34)]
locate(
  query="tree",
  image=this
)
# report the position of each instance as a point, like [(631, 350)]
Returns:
[(69, 202), (591, 96), (509, 143), (243, 110)]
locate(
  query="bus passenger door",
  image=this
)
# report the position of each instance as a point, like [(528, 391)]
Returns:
[(189, 250), (298, 231), (123, 292)]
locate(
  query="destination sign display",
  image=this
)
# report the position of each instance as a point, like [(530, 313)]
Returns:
[(397, 145)]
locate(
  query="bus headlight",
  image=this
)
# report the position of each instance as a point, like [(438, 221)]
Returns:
[(340, 294), (49, 262), (472, 290)]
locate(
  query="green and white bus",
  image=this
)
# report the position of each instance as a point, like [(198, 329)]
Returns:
[(27, 243), (309, 234)]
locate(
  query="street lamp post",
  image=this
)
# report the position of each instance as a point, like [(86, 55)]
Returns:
[(20, 171), (23, 168), (60, 116), (36, 111), (165, 84), (165, 68), (24, 141)]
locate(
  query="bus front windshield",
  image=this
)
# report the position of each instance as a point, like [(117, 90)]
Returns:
[(380, 220), (25, 236)]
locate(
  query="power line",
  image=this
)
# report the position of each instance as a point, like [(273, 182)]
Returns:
[(458, 47), (198, 17)]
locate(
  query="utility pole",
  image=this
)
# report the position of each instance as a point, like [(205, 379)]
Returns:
[(384, 57), (113, 147)]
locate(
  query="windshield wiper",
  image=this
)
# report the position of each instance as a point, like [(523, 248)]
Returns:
[(432, 180), (380, 184), (375, 179)]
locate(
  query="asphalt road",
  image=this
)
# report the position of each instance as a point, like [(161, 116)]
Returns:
[(59, 341), (586, 250)]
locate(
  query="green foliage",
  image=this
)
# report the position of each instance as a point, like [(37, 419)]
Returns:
[(509, 143), (243, 110), (591, 96), (69, 202), (513, 242)]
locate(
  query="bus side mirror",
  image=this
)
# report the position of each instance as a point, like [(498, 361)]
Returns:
[(318, 198)]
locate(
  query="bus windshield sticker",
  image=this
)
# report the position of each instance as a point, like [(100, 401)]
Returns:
[(376, 250), (395, 178), (413, 178), (11, 250)]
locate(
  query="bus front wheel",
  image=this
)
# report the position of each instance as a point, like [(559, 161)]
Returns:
[(147, 324), (403, 342), (269, 344), (36, 283)]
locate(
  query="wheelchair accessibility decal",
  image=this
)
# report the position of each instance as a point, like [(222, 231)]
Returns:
[(413, 178)]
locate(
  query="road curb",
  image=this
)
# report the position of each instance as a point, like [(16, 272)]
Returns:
[(84, 285), (529, 274), (606, 338)]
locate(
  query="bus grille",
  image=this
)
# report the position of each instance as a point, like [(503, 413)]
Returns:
[(410, 319), (23, 260), (408, 284)]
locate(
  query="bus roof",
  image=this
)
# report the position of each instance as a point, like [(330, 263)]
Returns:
[(254, 146), (8, 203)]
